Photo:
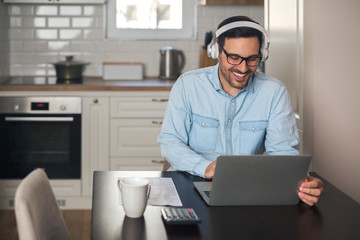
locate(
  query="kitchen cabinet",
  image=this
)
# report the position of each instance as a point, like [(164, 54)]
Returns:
[(95, 139), (66, 191), (57, 1), (230, 2), (135, 123), (119, 130), (63, 189)]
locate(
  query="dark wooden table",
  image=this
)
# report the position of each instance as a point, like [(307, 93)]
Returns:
[(336, 216)]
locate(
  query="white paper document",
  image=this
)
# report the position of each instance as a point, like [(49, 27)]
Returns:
[(163, 192)]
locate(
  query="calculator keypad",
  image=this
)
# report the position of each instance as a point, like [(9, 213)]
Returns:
[(179, 216)]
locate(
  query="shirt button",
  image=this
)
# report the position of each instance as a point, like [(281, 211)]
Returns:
[(228, 141), (229, 120), (203, 124), (253, 129), (232, 99)]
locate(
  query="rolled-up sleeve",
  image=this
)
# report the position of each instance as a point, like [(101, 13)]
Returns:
[(174, 139), (282, 135)]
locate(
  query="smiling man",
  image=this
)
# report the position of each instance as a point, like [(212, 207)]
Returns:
[(230, 108), (235, 70)]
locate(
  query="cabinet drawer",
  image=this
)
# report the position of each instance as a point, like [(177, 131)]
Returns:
[(61, 188), (136, 164), (125, 107), (134, 137)]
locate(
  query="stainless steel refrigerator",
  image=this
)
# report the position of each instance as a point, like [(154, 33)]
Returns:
[(284, 23)]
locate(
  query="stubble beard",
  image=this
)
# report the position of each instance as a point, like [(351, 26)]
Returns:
[(228, 75)]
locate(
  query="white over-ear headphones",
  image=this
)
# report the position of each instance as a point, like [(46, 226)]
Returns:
[(213, 48)]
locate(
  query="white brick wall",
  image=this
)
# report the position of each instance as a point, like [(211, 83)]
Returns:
[(41, 34), (4, 43)]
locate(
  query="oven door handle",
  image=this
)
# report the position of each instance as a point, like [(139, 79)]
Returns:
[(39, 119)]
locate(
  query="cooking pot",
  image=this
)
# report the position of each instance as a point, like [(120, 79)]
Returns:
[(69, 69), (172, 62)]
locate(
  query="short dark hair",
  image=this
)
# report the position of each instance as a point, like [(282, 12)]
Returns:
[(240, 31)]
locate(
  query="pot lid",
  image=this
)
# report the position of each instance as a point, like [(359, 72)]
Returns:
[(69, 61)]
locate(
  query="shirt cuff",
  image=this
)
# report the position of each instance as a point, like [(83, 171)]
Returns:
[(200, 167)]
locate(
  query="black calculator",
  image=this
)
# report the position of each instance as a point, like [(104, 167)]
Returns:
[(179, 216)]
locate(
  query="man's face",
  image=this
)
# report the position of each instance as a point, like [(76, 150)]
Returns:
[(235, 77)]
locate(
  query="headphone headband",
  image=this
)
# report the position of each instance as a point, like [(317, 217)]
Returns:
[(240, 24), (213, 50)]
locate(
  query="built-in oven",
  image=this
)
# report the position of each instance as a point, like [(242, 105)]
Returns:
[(40, 132)]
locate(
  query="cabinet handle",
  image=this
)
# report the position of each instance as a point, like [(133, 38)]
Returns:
[(95, 100), (158, 161), (160, 99), (157, 122)]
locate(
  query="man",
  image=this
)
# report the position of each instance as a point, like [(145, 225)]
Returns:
[(230, 109)]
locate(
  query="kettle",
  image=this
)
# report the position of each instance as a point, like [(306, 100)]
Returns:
[(172, 62)]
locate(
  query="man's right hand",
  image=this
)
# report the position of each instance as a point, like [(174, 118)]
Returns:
[(209, 171)]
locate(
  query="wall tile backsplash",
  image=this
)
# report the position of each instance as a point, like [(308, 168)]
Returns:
[(38, 35), (4, 41)]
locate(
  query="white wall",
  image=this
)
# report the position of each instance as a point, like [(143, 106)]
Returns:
[(4, 44), (41, 34), (332, 91)]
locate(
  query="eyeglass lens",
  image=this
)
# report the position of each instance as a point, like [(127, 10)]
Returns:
[(235, 59)]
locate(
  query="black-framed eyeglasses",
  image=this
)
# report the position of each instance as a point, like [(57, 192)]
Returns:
[(234, 59)]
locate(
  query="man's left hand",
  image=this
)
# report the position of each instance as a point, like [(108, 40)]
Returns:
[(310, 190)]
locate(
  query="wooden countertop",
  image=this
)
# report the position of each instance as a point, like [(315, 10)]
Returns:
[(93, 84)]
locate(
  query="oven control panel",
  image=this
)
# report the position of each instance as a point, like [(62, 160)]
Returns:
[(40, 106), (54, 105)]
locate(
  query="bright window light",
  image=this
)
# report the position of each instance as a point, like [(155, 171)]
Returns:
[(151, 19)]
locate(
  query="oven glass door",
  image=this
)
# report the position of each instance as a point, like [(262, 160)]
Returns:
[(48, 141)]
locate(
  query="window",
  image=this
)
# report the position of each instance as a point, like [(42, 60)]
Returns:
[(151, 19)]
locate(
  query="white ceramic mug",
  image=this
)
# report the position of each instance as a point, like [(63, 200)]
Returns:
[(135, 192)]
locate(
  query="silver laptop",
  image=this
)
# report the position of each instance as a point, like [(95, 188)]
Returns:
[(255, 180)]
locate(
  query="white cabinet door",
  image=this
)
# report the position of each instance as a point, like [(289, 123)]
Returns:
[(135, 125), (63, 188), (134, 137), (95, 139), (138, 107)]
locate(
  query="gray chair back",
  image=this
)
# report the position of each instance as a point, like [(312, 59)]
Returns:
[(37, 213)]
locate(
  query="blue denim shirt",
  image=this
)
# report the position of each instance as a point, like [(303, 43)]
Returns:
[(202, 121)]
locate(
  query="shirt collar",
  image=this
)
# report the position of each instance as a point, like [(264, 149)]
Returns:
[(215, 81), (250, 86)]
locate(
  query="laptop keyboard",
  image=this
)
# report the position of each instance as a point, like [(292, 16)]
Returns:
[(207, 193)]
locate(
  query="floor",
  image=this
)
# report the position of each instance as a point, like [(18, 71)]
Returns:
[(77, 221)]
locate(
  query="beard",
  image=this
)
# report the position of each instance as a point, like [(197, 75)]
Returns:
[(235, 78)]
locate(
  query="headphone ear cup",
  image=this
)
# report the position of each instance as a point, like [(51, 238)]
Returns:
[(264, 51), (213, 50), (265, 54)]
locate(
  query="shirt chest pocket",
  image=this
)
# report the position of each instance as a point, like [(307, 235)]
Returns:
[(252, 134), (203, 132), (253, 126)]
